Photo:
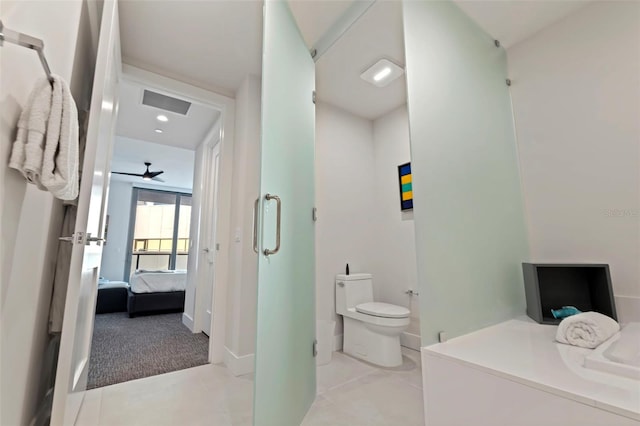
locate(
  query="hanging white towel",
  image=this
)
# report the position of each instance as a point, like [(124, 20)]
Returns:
[(587, 330), (60, 159), (27, 151)]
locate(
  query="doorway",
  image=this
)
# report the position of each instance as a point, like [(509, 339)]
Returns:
[(156, 254), (362, 138)]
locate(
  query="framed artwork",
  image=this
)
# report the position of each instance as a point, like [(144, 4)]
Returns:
[(406, 186)]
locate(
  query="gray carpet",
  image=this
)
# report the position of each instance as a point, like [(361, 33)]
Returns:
[(126, 348)]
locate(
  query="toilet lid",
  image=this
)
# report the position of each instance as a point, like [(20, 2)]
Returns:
[(385, 310)]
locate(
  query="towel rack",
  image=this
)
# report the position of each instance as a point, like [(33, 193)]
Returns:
[(25, 40)]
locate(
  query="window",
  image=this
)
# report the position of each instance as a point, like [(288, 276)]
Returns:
[(159, 230)]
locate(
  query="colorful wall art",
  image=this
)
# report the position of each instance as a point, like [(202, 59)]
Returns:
[(406, 186)]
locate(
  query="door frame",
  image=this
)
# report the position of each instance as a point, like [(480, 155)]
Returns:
[(226, 106)]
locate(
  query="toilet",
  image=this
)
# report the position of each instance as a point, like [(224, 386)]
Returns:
[(371, 329)]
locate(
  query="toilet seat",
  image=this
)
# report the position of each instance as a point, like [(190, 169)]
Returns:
[(384, 310)]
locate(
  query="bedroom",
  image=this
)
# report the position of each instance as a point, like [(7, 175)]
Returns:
[(141, 327)]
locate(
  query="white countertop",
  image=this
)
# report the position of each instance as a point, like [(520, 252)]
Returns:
[(524, 351)]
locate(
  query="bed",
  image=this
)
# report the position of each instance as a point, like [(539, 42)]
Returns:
[(152, 292)]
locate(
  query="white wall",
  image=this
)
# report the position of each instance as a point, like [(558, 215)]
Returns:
[(114, 253), (30, 219), (576, 97), (345, 231), (243, 274), (129, 156), (394, 269)]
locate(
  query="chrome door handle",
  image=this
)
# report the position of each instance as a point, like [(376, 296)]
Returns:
[(90, 240), (82, 238), (255, 224), (269, 197)]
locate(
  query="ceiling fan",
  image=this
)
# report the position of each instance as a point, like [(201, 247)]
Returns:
[(147, 175)]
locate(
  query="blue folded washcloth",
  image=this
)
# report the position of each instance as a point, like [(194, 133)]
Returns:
[(565, 311)]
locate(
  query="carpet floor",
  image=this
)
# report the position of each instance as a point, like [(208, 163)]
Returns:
[(126, 348)]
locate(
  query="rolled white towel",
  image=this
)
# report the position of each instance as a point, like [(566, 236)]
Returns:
[(587, 330)]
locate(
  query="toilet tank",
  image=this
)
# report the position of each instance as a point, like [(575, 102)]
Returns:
[(353, 289)]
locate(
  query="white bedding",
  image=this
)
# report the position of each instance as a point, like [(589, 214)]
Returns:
[(158, 281)]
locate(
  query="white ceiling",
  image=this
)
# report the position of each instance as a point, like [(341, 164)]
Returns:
[(376, 35), (513, 21), (129, 155), (379, 34), (139, 121), (215, 44), (210, 44), (314, 17)]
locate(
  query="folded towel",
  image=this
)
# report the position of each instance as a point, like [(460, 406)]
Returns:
[(565, 311), (587, 330), (60, 159), (46, 149), (37, 126), (27, 150)]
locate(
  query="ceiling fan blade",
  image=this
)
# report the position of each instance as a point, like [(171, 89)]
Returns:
[(154, 174), (128, 174), (157, 179)]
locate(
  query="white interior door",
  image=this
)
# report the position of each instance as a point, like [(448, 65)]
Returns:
[(212, 209), (77, 326)]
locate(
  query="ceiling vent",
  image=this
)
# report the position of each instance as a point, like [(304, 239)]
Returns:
[(166, 103)]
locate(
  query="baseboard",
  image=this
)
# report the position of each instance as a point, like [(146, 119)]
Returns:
[(628, 308), (238, 365), (411, 341), (337, 343), (187, 321)]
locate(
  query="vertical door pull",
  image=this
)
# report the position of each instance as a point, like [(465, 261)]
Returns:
[(269, 197), (255, 224)]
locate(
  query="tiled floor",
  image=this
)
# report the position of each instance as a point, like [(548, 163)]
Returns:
[(205, 395), (350, 392), (353, 393)]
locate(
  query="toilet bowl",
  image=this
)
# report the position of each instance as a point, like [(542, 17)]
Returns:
[(371, 329)]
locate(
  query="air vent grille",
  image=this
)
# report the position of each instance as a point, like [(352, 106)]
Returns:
[(166, 103)]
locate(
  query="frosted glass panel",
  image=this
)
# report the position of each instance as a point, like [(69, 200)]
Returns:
[(468, 208), (285, 384)]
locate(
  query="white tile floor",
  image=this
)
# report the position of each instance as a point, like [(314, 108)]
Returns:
[(354, 393), (350, 392), (204, 395)]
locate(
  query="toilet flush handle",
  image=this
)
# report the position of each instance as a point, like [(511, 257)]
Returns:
[(341, 284)]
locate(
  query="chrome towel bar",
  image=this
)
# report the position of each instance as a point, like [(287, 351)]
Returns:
[(25, 40)]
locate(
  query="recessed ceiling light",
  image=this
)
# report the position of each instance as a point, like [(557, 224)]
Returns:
[(158, 130), (162, 118), (382, 73)]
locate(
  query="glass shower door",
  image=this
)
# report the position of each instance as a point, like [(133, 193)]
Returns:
[(468, 206), (285, 383)]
